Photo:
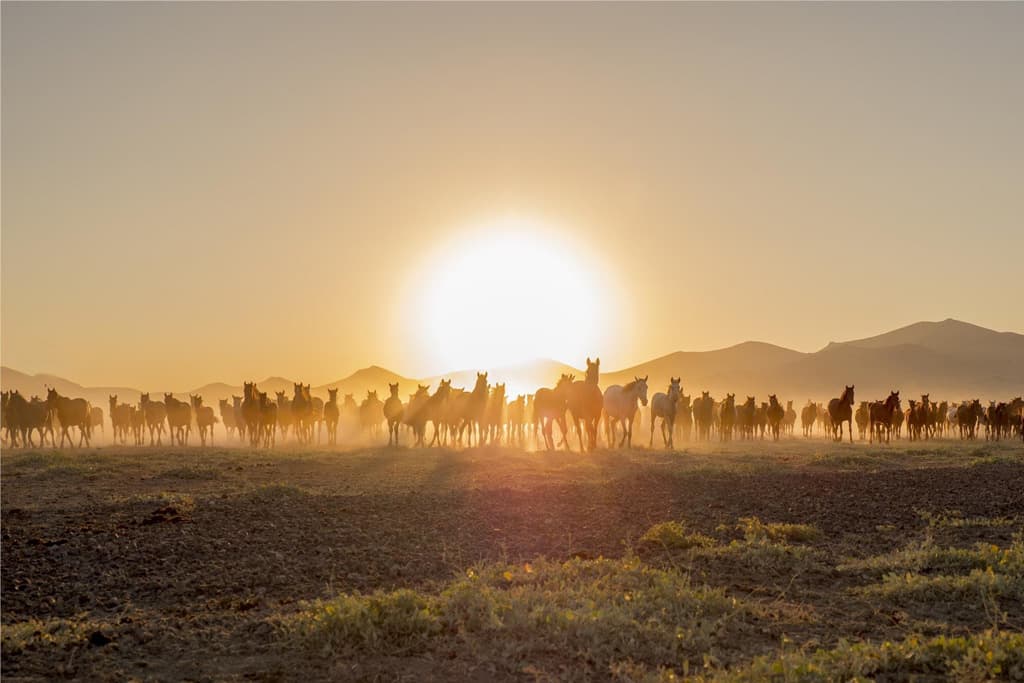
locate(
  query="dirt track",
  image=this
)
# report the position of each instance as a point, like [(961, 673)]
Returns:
[(179, 559)]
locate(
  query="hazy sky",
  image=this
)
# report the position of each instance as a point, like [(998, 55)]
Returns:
[(197, 192)]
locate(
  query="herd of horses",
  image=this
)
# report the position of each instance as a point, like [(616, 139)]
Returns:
[(484, 414)]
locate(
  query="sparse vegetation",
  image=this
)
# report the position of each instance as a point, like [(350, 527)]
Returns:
[(595, 612), (674, 536)]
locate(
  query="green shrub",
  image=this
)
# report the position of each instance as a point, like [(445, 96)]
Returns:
[(674, 536)]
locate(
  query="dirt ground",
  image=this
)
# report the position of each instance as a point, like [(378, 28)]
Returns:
[(163, 564)]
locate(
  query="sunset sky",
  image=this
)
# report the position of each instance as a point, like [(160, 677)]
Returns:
[(201, 192)]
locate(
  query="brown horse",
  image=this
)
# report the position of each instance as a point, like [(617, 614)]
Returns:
[(205, 419), (585, 402), (70, 412), (302, 413), (24, 417), (775, 414), (967, 416), (393, 412), (727, 417), (703, 415), (789, 421), (862, 418), (139, 425), (267, 431), (120, 419), (179, 419), (227, 416), (371, 413), (745, 417), (550, 406), (469, 409), (284, 413), (332, 415), (494, 416), (840, 410), (684, 416), (252, 412), (807, 416), (515, 418), (881, 416)]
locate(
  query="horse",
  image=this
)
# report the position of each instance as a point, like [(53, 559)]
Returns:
[(550, 406), (227, 416), (120, 418), (880, 417), (862, 417), (416, 412), (468, 409), (761, 419), (807, 416), (775, 414), (284, 413), (684, 416), (349, 415), (267, 420), (179, 419), (71, 412), (205, 419), (302, 413), (24, 417), (252, 412), (494, 416), (96, 419), (371, 413), (585, 403), (703, 414), (332, 414), (967, 416), (316, 414), (515, 414), (237, 405), (663, 405), (789, 420), (138, 425), (393, 412), (620, 405), (745, 417), (726, 417), (840, 410)]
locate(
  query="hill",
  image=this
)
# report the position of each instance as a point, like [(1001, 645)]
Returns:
[(950, 359)]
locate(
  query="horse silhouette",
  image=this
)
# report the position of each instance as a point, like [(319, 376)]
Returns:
[(585, 403), (775, 414), (726, 417), (205, 419), (880, 417), (393, 412), (550, 406), (840, 410), (179, 419)]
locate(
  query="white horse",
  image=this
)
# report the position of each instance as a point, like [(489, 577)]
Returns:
[(620, 406), (664, 406)]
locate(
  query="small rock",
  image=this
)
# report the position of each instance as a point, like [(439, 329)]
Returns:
[(97, 639)]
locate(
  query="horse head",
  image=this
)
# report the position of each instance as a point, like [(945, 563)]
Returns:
[(593, 370), (332, 395), (393, 389)]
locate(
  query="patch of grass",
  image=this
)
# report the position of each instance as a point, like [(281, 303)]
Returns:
[(754, 531), (46, 633), (596, 613), (928, 573), (674, 536), (992, 655), (954, 519)]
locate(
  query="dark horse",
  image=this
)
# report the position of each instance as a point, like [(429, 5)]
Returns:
[(840, 410), (585, 402)]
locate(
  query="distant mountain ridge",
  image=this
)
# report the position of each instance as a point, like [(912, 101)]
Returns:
[(949, 359)]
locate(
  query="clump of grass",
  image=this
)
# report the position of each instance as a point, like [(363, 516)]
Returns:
[(954, 519), (754, 531), (674, 536), (991, 655), (46, 633), (598, 612), (928, 573)]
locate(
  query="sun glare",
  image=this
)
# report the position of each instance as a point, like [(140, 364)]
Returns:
[(508, 291)]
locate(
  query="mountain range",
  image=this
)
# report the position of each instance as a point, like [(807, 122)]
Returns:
[(949, 359)]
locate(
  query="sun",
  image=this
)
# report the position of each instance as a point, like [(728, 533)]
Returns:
[(507, 291)]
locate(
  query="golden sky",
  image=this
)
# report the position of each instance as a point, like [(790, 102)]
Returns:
[(214, 191)]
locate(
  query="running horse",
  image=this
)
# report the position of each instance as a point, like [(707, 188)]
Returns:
[(663, 405), (585, 403), (840, 410), (620, 406)]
